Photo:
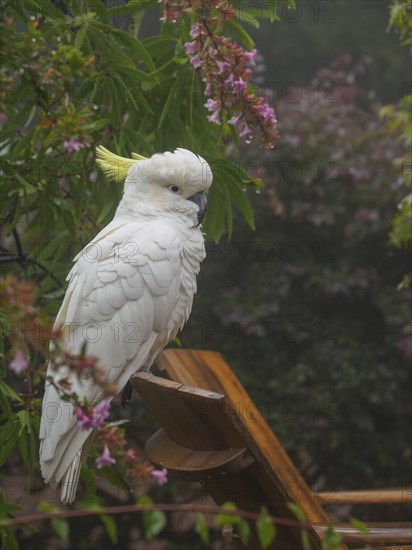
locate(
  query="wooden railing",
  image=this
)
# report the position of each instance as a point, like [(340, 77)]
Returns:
[(374, 496)]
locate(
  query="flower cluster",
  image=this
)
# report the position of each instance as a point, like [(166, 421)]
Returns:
[(94, 417), (73, 145), (225, 68)]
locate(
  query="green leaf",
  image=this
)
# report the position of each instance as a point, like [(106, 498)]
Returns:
[(242, 527), (134, 74), (243, 14), (153, 521), (201, 528), (272, 11), (61, 527), (8, 539), (24, 419), (9, 392), (243, 36), (144, 500), (167, 104), (24, 446), (111, 528), (359, 525), (215, 218), (331, 539), (6, 448), (80, 35), (297, 511), (136, 47), (238, 196), (266, 530), (223, 519)]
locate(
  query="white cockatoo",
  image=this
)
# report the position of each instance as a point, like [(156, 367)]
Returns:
[(129, 292)]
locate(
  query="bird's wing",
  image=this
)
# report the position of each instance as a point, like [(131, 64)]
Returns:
[(122, 298)]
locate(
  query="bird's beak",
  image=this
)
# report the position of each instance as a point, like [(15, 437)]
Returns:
[(201, 200)]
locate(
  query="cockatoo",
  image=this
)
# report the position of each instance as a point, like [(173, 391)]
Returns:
[(130, 291)]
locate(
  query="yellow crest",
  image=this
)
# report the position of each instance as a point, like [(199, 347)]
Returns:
[(113, 166)]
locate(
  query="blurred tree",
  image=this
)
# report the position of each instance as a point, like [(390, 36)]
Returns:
[(306, 310)]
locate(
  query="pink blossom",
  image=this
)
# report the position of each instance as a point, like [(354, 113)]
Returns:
[(104, 459), (266, 112), (214, 117), (246, 133), (73, 145), (95, 418), (191, 47), (160, 476), (239, 86), (19, 362), (195, 61), (366, 215), (234, 121), (222, 66), (195, 30), (250, 56), (208, 89), (211, 105)]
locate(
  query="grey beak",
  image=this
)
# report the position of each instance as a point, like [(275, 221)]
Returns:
[(201, 200)]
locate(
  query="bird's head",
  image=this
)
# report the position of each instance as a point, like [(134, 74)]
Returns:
[(164, 183)]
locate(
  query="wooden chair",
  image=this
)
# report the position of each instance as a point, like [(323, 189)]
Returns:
[(211, 432)]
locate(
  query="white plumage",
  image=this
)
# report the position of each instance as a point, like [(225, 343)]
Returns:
[(130, 291)]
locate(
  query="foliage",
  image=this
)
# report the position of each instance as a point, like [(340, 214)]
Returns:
[(74, 78), (400, 118), (155, 521), (400, 20)]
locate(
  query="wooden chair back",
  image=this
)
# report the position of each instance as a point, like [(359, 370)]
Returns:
[(211, 432)]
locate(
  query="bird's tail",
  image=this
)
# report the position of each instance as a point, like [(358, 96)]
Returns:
[(71, 479)]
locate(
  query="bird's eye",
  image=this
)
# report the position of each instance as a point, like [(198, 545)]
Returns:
[(175, 189)]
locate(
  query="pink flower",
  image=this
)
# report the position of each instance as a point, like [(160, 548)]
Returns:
[(234, 121), (191, 47), (73, 145), (266, 112), (195, 31), (104, 459), (160, 476), (19, 363), (222, 66), (215, 117), (239, 86), (246, 133), (211, 105), (95, 418), (130, 455), (250, 56), (195, 61)]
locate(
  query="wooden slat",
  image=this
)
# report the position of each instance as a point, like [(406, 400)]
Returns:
[(374, 496), (195, 465), (377, 532), (193, 418), (391, 547)]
